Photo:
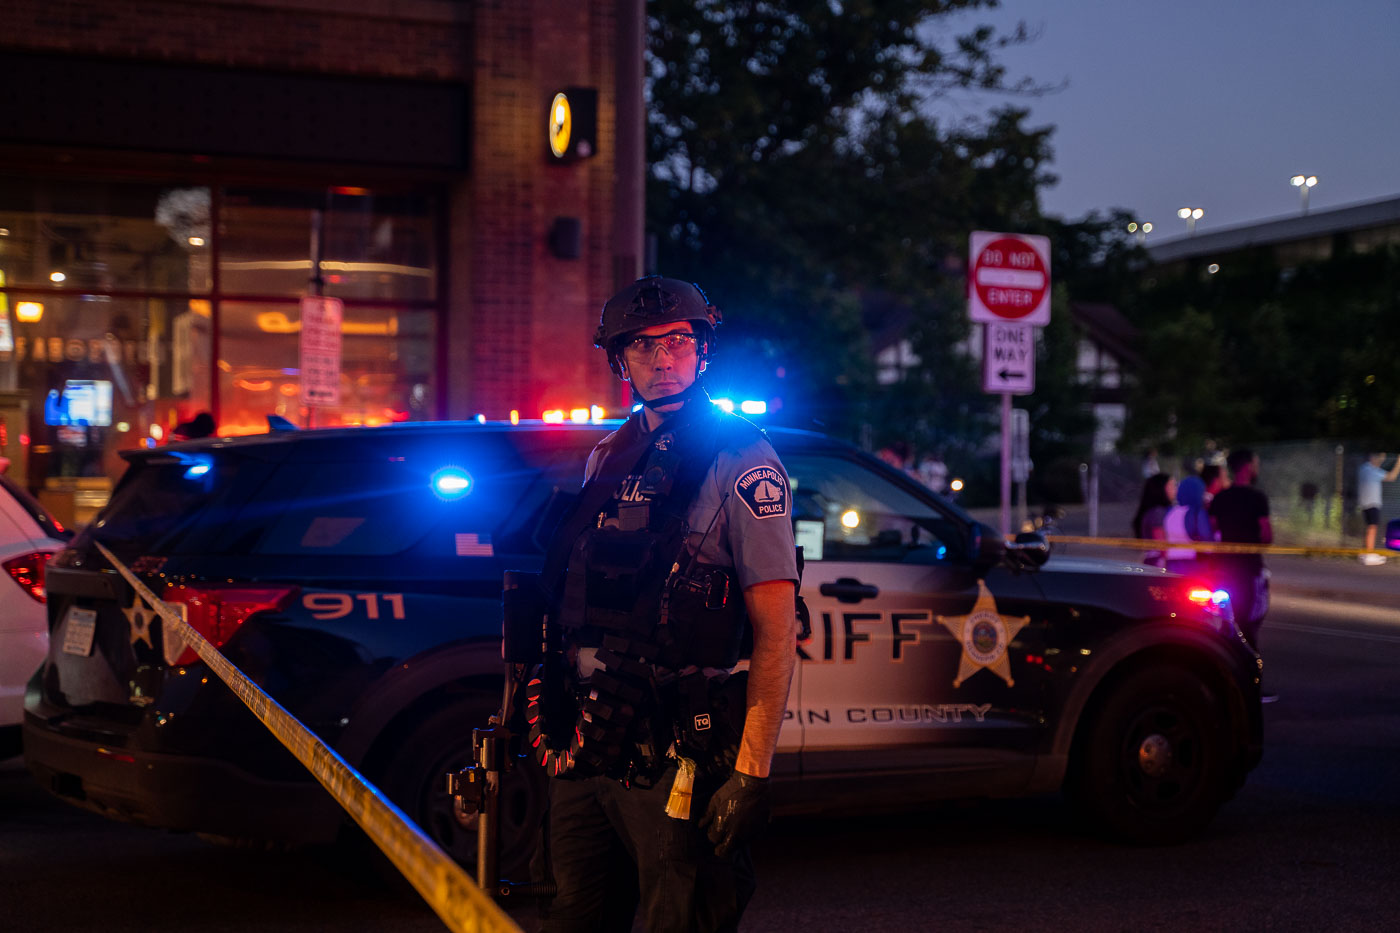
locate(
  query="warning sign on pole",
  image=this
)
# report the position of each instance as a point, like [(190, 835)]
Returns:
[(320, 350), (1009, 279)]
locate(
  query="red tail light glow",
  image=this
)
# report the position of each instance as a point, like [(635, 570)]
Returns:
[(28, 571), (216, 611)]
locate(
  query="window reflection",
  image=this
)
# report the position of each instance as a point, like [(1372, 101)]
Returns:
[(100, 236), (374, 246), (844, 511), (386, 366)]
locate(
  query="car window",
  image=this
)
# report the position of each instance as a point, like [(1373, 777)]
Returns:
[(161, 501), (843, 510)]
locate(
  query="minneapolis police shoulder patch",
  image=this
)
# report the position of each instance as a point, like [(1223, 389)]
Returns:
[(764, 491)]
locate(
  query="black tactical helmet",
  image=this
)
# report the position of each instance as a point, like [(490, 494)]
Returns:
[(653, 300)]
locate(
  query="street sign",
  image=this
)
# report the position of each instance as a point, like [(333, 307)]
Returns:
[(1008, 359), (1009, 278), (320, 350)]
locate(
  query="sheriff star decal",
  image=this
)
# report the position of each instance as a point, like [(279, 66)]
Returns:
[(984, 634), (140, 617)]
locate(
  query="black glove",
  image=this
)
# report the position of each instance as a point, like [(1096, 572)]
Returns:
[(737, 812)]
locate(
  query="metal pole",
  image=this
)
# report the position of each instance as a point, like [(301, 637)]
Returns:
[(1337, 498), (488, 872), (1005, 464), (1094, 496), (316, 284)]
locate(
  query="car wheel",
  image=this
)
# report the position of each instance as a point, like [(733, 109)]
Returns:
[(1154, 765), (414, 778)]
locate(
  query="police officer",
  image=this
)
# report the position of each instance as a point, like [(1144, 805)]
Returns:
[(663, 725)]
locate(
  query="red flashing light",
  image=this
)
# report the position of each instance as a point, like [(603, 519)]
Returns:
[(217, 611), (28, 571)]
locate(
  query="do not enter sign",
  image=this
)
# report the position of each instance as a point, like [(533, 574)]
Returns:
[(1009, 279)]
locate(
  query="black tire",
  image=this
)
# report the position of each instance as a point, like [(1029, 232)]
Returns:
[(1154, 764), (414, 778)]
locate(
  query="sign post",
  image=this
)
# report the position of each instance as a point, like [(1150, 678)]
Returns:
[(320, 350), (1009, 294)]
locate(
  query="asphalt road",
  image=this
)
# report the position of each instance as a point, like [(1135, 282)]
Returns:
[(1311, 843)]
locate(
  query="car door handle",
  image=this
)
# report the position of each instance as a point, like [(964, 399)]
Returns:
[(849, 590)]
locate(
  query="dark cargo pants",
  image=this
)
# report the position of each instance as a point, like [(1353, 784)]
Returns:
[(613, 849)]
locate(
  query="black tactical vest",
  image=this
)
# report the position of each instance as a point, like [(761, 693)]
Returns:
[(633, 592)]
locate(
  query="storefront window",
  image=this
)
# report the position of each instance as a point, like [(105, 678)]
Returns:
[(386, 367), (373, 246), (91, 376), (111, 315), (86, 236)]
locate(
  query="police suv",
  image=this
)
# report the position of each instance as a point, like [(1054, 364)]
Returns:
[(356, 576)]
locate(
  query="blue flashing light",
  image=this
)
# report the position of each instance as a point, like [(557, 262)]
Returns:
[(451, 483), (1220, 597), (753, 407), (197, 470), (724, 403)]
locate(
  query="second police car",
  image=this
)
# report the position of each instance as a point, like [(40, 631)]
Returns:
[(355, 575)]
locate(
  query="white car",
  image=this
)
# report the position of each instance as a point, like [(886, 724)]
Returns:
[(29, 536)]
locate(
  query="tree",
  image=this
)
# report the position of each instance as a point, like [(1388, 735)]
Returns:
[(1261, 352), (797, 174)]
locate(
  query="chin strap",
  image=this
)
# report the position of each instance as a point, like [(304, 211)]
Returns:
[(692, 391)]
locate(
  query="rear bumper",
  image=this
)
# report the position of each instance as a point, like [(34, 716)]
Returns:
[(177, 792)]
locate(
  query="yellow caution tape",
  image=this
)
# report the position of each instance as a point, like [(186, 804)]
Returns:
[(444, 885), (1211, 547)]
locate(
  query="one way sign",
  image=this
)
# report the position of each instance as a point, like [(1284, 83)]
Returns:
[(1008, 359)]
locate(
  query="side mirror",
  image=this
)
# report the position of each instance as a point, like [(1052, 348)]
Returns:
[(1030, 547), (987, 547)]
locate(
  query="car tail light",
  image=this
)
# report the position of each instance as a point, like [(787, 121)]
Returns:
[(28, 571), (216, 611)]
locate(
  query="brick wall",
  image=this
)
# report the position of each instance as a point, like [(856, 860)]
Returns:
[(531, 315), (429, 39)]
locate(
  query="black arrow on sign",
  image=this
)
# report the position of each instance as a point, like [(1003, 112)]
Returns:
[(1007, 374)]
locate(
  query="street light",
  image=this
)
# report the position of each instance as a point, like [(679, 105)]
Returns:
[(1190, 215), (1140, 230), (1304, 184)]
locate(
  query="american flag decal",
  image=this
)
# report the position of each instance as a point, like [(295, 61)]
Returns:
[(474, 545)]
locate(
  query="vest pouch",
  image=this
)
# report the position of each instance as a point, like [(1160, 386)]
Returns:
[(522, 618), (710, 715), (707, 617), (622, 576)]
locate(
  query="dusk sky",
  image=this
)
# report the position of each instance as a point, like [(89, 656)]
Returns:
[(1178, 103)]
